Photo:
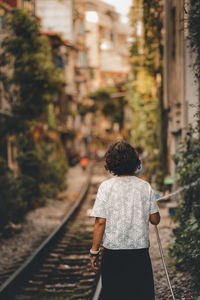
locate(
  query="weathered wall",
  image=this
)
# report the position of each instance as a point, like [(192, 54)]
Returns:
[(56, 16)]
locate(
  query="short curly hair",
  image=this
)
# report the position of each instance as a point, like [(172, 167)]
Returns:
[(122, 159)]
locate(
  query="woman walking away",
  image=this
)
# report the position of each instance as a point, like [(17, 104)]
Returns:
[(123, 208)]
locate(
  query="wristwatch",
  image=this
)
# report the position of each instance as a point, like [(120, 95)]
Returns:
[(94, 253)]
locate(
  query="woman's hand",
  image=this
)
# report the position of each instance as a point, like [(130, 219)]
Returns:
[(94, 260), (155, 218)]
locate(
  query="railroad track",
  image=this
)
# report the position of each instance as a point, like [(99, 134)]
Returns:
[(60, 267)]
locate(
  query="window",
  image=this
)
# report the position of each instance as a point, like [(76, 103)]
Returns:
[(59, 61), (103, 33), (92, 16), (111, 36), (83, 59), (2, 18), (2, 22), (82, 29), (29, 5)]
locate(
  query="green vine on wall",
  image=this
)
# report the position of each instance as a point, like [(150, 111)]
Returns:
[(186, 247)]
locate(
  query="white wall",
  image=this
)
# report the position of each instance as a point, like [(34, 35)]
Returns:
[(92, 42), (56, 16), (113, 62)]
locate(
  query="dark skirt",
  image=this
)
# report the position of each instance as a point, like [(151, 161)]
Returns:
[(127, 275)]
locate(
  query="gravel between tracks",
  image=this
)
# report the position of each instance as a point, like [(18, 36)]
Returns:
[(38, 224)]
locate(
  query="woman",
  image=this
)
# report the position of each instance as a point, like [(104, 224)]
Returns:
[(123, 208)]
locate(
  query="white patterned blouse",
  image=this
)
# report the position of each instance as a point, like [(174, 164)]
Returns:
[(126, 203)]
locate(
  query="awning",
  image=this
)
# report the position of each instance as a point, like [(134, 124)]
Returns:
[(168, 180)]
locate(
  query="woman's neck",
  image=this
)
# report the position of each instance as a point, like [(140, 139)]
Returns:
[(124, 175)]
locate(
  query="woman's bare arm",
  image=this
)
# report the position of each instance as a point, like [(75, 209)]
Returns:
[(155, 218), (99, 228)]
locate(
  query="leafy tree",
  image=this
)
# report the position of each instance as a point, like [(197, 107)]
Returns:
[(12, 206), (44, 176), (144, 131), (31, 82), (35, 80), (111, 107), (146, 91)]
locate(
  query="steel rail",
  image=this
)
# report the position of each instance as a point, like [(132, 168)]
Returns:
[(97, 292), (163, 261), (31, 263), (185, 187)]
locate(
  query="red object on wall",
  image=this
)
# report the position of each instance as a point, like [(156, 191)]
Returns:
[(37, 134), (12, 3)]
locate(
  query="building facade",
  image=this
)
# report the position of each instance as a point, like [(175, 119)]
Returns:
[(107, 41), (108, 57), (181, 91), (65, 20)]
